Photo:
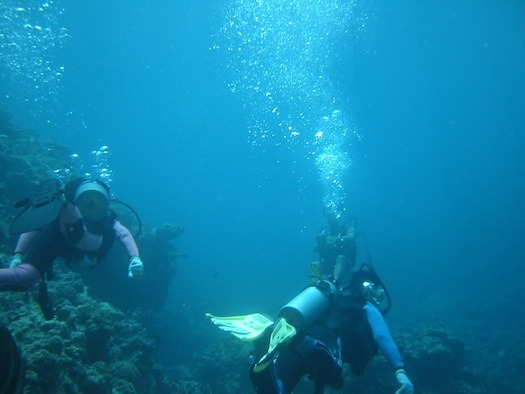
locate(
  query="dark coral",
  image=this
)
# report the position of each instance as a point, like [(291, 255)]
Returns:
[(435, 360), (148, 294), (224, 366), (90, 347), (24, 163)]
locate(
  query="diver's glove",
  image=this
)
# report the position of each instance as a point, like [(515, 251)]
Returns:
[(135, 268), (406, 385), (16, 260)]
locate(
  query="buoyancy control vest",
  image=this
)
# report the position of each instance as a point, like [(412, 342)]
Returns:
[(349, 321)]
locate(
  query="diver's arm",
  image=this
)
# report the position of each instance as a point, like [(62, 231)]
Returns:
[(124, 236), (22, 246), (383, 337), (389, 349), (24, 241)]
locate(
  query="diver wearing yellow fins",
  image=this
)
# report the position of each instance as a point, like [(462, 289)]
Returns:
[(316, 332)]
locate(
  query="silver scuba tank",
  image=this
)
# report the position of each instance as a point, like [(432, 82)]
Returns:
[(309, 305)]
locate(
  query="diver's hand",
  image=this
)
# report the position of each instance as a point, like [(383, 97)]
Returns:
[(406, 385), (136, 268), (16, 260)]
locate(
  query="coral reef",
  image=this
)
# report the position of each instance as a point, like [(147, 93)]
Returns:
[(434, 356), (168, 232), (436, 360), (151, 292), (224, 366), (24, 162), (90, 346), (181, 386)]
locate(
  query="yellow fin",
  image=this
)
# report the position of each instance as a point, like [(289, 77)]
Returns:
[(282, 333), (245, 327), (315, 273)]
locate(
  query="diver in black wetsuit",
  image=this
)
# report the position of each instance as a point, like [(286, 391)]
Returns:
[(337, 250), (351, 332)]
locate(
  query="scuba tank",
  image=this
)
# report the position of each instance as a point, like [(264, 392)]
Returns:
[(309, 305)]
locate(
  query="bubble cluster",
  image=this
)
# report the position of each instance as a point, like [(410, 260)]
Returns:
[(332, 159), (280, 55), (100, 165), (96, 167), (30, 36)]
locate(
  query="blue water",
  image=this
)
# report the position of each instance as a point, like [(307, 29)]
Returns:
[(213, 123)]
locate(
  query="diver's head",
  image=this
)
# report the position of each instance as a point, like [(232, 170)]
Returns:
[(365, 284), (92, 200), (373, 292), (333, 218)]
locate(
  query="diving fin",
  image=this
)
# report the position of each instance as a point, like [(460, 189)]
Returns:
[(315, 272), (41, 209), (282, 333), (247, 328)]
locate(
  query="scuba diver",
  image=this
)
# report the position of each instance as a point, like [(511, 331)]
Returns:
[(318, 331), (74, 222), (337, 248)]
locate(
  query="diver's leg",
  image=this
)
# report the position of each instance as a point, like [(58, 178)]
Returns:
[(46, 247), (290, 367), (266, 381), (323, 356), (19, 278)]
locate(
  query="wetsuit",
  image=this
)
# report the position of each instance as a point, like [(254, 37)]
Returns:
[(352, 333), (68, 237), (330, 245)]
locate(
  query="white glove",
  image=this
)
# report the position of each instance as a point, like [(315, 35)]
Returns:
[(406, 385), (135, 268), (16, 260)]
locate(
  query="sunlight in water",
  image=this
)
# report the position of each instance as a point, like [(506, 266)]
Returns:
[(280, 55), (30, 36)]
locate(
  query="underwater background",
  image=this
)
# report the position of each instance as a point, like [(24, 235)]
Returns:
[(244, 120)]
